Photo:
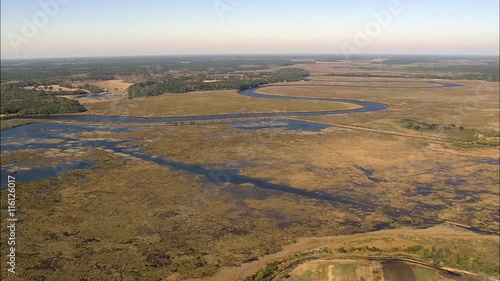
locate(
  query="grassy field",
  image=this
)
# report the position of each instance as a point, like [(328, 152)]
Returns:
[(10, 123), (474, 106), (205, 103)]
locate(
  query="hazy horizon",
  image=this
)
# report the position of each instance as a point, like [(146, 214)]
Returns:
[(75, 28), (290, 55)]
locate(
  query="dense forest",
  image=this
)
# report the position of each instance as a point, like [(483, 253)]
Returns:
[(179, 85), (22, 102)]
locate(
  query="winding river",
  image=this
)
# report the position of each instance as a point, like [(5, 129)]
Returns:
[(366, 106)]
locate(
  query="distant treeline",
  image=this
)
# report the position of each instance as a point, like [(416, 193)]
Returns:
[(178, 85), (100, 69), (22, 102), (47, 85), (462, 76)]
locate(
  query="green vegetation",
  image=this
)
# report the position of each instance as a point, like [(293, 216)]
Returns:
[(342, 250), (146, 89), (414, 249), (444, 256), (347, 271), (266, 274), (67, 93), (421, 126), (452, 132), (81, 69), (360, 249), (182, 85), (21, 102)]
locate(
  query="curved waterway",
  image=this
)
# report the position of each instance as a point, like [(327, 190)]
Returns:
[(366, 106)]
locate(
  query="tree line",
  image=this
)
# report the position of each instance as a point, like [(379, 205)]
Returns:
[(459, 76), (22, 102), (181, 85)]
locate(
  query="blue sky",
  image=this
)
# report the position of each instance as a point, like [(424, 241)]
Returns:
[(164, 27)]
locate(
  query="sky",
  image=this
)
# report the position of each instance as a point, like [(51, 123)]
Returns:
[(81, 28)]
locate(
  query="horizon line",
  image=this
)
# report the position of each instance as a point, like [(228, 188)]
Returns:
[(255, 54)]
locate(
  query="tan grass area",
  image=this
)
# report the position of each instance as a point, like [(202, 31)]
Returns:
[(111, 85), (206, 103)]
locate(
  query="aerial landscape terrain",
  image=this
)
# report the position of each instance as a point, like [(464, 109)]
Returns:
[(223, 178), (301, 167)]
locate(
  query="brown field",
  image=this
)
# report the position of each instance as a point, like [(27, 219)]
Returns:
[(119, 86), (475, 105)]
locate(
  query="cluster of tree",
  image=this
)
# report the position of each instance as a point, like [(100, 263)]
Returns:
[(91, 88), (362, 74), (22, 102), (179, 85), (422, 126), (151, 88), (65, 93), (447, 257), (288, 75)]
